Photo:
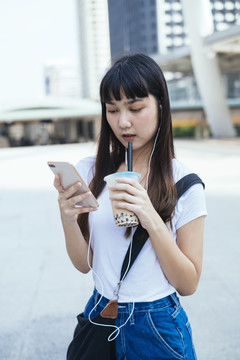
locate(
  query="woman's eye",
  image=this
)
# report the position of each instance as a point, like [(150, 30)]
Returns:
[(136, 110), (112, 111)]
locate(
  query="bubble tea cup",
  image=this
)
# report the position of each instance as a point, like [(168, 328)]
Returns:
[(123, 217)]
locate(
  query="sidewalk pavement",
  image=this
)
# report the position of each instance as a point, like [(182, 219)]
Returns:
[(41, 292)]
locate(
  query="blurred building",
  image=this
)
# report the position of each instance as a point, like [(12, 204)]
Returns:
[(172, 30), (62, 78), (94, 44), (133, 26), (50, 120), (157, 26), (225, 13)]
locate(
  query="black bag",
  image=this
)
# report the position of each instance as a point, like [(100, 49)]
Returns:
[(90, 342)]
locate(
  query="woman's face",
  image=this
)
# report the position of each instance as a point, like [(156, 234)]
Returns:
[(133, 120)]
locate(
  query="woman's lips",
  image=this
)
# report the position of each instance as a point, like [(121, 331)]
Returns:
[(128, 137)]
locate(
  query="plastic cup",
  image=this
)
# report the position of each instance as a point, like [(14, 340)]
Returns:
[(123, 217)]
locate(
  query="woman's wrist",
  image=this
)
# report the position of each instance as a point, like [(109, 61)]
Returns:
[(70, 227), (155, 225), (69, 221)]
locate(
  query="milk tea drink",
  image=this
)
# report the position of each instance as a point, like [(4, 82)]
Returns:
[(123, 217)]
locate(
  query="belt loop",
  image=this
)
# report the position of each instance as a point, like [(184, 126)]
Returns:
[(132, 319), (175, 299), (95, 296)]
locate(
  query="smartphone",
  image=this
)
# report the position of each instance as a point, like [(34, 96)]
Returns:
[(69, 176)]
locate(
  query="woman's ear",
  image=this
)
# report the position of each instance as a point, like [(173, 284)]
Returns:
[(160, 112)]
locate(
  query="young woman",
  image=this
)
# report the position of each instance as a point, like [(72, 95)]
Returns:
[(135, 107)]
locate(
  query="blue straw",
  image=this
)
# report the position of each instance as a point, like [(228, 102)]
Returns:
[(130, 156)]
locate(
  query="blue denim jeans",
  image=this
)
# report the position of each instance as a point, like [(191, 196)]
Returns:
[(156, 330)]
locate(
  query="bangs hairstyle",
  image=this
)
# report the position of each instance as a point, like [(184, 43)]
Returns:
[(136, 76), (132, 77)]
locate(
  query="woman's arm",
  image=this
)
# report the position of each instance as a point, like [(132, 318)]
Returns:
[(76, 245), (181, 262)]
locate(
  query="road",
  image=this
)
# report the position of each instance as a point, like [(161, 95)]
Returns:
[(41, 292)]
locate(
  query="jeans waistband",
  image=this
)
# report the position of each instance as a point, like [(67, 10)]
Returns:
[(171, 299)]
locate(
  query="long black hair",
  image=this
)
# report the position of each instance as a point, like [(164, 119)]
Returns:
[(136, 76)]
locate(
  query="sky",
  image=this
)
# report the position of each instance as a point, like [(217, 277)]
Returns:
[(32, 32)]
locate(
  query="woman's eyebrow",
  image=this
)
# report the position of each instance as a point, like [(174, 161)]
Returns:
[(129, 102), (132, 101)]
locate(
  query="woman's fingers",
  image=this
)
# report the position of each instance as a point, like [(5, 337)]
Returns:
[(75, 200), (123, 196), (129, 181), (68, 201), (128, 190), (70, 209), (57, 184), (128, 194), (68, 193), (133, 190), (76, 210)]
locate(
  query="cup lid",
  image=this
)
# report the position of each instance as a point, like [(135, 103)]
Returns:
[(131, 174)]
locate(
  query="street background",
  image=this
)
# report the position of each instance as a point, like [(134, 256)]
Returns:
[(41, 292)]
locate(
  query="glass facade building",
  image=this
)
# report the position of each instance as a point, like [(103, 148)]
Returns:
[(152, 26), (133, 26), (172, 32), (225, 13)]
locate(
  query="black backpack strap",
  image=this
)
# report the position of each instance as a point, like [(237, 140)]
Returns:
[(186, 182), (139, 239), (138, 242)]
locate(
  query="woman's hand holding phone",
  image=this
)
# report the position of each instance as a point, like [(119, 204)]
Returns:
[(74, 195), (68, 201)]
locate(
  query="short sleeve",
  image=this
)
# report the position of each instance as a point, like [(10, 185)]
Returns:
[(190, 206), (85, 167)]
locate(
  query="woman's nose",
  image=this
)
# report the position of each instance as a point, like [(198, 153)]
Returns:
[(124, 120)]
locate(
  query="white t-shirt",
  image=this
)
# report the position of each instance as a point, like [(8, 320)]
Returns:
[(145, 280)]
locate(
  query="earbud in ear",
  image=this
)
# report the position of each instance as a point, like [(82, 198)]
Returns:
[(160, 112)]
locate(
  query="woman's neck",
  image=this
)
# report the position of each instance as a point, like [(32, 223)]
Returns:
[(141, 158)]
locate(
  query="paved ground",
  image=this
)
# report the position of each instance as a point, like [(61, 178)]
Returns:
[(40, 290)]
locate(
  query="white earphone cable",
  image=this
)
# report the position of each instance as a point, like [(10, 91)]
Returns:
[(150, 158), (117, 328)]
